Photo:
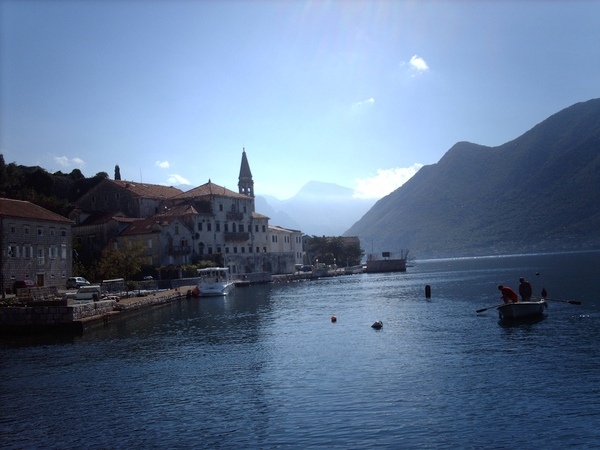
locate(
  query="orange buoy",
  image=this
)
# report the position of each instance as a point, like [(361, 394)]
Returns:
[(333, 319)]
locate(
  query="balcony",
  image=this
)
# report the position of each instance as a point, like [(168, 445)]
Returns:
[(236, 237), (235, 216), (179, 250)]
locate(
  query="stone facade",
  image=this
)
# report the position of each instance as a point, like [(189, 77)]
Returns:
[(132, 199), (35, 243)]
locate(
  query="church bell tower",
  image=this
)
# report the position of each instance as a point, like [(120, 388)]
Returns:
[(245, 183)]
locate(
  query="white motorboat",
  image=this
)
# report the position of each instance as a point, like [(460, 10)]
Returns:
[(215, 281), (521, 310)]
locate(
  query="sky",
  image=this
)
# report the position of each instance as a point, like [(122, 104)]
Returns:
[(356, 93)]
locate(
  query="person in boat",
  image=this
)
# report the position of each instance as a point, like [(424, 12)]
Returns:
[(508, 295), (525, 290)]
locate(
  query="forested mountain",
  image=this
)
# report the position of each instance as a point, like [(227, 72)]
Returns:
[(539, 192), (54, 192)]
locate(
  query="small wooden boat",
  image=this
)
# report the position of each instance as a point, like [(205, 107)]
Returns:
[(521, 310), (377, 325)]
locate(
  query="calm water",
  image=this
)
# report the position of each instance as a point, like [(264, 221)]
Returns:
[(266, 368)]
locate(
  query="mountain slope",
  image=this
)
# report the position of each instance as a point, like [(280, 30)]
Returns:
[(539, 192), (318, 209)]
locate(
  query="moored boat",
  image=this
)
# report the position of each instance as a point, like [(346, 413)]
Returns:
[(215, 281), (521, 310)]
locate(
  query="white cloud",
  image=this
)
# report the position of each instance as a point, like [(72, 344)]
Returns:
[(62, 160), (66, 162), (418, 64), (364, 103), (163, 165), (78, 162), (175, 179), (386, 181)]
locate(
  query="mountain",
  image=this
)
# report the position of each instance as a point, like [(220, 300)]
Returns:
[(539, 192), (318, 209)]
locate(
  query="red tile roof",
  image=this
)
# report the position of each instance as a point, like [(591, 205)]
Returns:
[(147, 190), (147, 226), (207, 190), (27, 210)]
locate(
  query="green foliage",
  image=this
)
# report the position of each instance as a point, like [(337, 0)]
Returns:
[(122, 263), (334, 250)]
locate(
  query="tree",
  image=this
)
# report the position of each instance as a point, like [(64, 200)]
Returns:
[(117, 172), (117, 263)]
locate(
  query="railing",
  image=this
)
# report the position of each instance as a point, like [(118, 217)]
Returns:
[(230, 236), (235, 216), (179, 250)]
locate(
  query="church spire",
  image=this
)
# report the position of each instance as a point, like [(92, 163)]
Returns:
[(245, 183)]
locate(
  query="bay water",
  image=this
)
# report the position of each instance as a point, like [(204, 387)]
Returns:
[(267, 368)]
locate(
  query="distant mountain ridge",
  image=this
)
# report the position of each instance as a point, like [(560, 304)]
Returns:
[(539, 192), (318, 209)]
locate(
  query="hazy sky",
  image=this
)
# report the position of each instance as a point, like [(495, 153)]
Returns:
[(358, 93)]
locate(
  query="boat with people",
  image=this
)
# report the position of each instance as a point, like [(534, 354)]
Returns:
[(522, 309), (214, 281)]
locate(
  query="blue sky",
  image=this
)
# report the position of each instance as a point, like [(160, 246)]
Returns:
[(355, 93)]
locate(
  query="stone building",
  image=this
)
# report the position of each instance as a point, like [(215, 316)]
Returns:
[(35, 243), (282, 240), (132, 199)]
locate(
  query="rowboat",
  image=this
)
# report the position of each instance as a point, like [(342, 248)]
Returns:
[(215, 281), (521, 310)]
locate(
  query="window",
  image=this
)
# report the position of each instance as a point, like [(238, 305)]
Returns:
[(218, 249), (226, 227), (233, 227), (63, 252), (210, 250), (226, 249), (249, 249), (93, 199), (13, 251), (53, 252), (245, 209), (63, 233), (232, 208), (265, 249), (199, 226), (220, 207), (241, 228), (256, 228), (257, 249), (27, 252), (234, 249), (243, 249), (79, 240), (13, 229), (263, 228), (176, 229), (218, 227), (208, 226), (40, 232), (26, 229), (51, 231), (149, 243)]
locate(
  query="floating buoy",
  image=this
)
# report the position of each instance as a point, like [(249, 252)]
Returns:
[(377, 325), (333, 319), (427, 291)]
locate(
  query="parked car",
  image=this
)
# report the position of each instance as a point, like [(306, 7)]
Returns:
[(22, 284), (148, 278), (87, 292), (77, 282), (306, 268)]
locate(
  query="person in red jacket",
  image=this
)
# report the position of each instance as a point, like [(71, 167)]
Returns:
[(508, 295)]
